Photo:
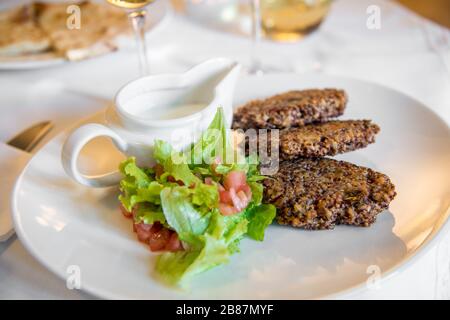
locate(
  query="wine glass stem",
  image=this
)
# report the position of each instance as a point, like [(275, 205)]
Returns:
[(137, 19), (255, 64)]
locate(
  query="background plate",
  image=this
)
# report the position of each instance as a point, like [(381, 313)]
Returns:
[(159, 12)]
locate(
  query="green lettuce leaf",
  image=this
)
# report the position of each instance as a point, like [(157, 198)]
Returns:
[(206, 196), (135, 179), (204, 171), (149, 193), (180, 213), (149, 214), (259, 218), (162, 151), (257, 192), (134, 174), (207, 250), (178, 268), (213, 143), (175, 163)]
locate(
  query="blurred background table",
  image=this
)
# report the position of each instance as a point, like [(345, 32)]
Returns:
[(436, 10), (404, 54)]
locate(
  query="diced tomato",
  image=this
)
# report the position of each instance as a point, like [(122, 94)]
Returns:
[(238, 203), (235, 179), (247, 190), (235, 193), (159, 170), (244, 200), (159, 237), (128, 214), (224, 197), (125, 212), (226, 209), (209, 181), (174, 243), (172, 179), (143, 231)]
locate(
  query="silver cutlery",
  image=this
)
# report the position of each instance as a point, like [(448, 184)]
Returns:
[(29, 138), (26, 141)]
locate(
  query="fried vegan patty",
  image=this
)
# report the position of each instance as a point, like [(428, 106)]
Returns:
[(326, 139), (321, 193), (291, 109), (316, 139)]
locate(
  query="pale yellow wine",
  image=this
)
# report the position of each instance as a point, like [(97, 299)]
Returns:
[(291, 19), (130, 4)]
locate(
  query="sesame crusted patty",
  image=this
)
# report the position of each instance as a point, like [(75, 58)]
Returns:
[(321, 193), (291, 109)]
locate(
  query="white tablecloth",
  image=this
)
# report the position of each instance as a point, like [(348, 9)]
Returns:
[(400, 55)]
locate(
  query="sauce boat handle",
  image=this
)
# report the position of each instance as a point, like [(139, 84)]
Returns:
[(75, 143)]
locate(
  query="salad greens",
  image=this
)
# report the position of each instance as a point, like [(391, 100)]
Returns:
[(184, 193)]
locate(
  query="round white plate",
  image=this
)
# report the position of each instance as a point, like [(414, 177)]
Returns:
[(64, 224)]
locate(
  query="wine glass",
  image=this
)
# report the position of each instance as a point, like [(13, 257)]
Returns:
[(137, 14), (283, 20), (255, 63)]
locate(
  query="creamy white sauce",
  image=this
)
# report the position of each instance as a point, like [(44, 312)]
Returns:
[(173, 112), (167, 112)]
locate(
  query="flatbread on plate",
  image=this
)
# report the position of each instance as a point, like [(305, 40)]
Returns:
[(40, 27)]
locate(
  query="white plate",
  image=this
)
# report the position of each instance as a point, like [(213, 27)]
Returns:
[(63, 224)]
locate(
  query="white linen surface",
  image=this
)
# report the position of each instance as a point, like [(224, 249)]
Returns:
[(402, 54)]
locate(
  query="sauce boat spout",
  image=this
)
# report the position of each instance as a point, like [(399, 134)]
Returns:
[(217, 79)]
